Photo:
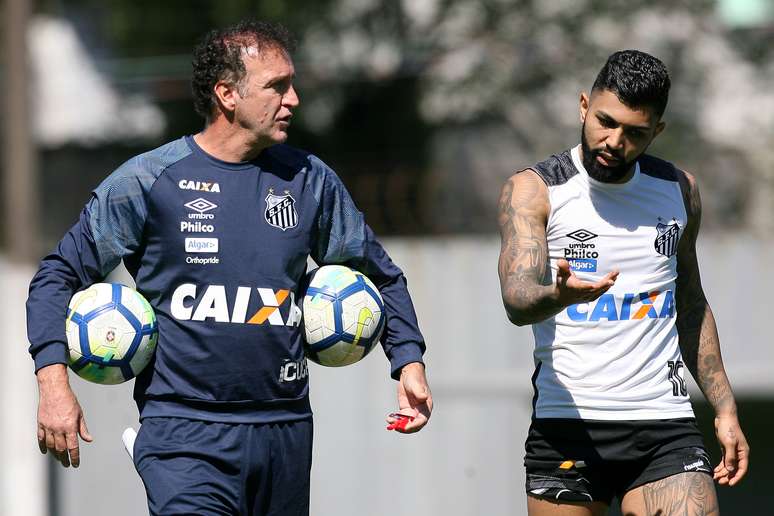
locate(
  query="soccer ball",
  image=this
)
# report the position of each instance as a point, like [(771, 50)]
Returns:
[(111, 333), (343, 316)]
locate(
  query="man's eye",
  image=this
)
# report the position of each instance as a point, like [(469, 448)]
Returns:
[(606, 122), (281, 86)]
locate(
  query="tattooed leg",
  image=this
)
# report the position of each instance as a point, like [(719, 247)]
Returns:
[(684, 494)]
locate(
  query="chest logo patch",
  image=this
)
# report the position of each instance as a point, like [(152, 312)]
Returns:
[(281, 210), (582, 254), (666, 240)]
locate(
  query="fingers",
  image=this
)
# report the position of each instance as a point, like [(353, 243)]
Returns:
[(578, 290), (407, 421), (60, 422), (414, 400), (729, 457), (64, 444), (399, 420), (60, 441), (418, 417), (741, 464), (563, 268), (605, 283), (83, 430), (64, 447), (73, 450), (733, 466), (50, 445), (42, 440), (610, 278), (416, 425), (720, 474)]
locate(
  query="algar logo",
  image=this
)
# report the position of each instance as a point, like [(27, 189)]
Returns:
[(645, 305), (214, 305)]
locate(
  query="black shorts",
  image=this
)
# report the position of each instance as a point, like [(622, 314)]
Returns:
[(577, 460)]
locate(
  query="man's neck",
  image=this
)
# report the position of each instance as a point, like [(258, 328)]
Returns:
[(227, 144)]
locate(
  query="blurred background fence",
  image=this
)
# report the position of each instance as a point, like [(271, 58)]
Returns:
[(423, 107)]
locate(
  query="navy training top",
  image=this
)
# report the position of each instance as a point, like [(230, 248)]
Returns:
[(219, 250)]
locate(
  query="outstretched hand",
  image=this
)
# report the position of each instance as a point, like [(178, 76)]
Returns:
[(414, 399), (735, 450), (572, 290), (60, 417)]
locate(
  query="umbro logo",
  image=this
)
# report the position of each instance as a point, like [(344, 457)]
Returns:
[(200, 205), (582, 235)]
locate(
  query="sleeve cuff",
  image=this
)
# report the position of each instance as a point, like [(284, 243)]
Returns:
[(403, 354), (53, 353)]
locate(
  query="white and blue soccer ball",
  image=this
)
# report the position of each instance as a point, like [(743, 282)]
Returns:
[(343, 316), (111, 333)]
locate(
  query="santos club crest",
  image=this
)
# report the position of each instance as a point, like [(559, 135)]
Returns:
[(281, 210), (666, 241)]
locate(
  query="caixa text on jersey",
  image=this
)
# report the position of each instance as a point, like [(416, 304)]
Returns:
[(241, 306)]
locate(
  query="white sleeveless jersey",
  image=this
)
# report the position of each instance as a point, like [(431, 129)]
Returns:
[(615, 358)]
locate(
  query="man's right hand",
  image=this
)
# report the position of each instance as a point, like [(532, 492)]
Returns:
[(60, 417), (571, 290)]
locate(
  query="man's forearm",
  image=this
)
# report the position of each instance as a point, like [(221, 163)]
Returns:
[(528, 303), (700, 346)]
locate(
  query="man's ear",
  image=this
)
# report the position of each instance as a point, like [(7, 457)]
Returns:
[(659, 127), (226, 94), (584, 106)]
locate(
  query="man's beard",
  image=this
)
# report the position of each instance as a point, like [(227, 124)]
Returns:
[(598, 171)]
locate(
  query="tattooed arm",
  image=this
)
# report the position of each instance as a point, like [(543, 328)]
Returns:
[(529, 295), (700, 346)]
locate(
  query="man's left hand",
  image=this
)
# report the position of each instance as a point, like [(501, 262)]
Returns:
[(736, 451), (414, 399)]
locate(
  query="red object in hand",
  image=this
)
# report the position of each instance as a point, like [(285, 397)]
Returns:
[(401, 421)]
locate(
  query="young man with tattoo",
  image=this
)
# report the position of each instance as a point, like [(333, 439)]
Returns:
[(599, 255)]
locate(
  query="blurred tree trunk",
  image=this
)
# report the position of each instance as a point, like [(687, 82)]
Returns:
[(20, 205)]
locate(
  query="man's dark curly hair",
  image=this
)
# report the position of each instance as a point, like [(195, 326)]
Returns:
[(219, 57), (637, 79)]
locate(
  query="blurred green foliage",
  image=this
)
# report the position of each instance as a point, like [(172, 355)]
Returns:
[(425, 107)]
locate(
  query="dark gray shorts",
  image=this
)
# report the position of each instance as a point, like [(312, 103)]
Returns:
[(582, 461)]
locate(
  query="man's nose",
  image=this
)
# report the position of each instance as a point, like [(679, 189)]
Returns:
[(290, 99), (615, 139)]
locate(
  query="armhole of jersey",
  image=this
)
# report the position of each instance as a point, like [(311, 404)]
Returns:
[(550, 217), (550, 214), (681, 177)]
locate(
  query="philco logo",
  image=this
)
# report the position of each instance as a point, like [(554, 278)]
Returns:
[(214, 305), (196, 227), (581, 255), (201, 206), (645, 305), (199, 186)]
